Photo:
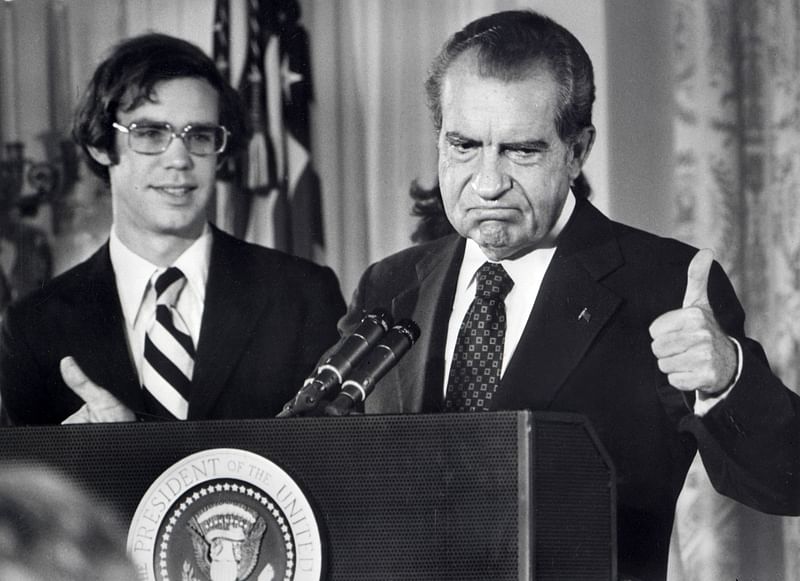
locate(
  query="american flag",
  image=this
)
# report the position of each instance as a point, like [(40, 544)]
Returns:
[(277, 200)]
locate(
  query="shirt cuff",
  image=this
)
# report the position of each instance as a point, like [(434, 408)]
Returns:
[(703, 403)]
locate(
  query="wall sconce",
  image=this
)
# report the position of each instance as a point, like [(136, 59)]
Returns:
[(26, 184)]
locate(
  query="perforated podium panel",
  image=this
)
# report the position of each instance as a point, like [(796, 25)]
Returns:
[(461, 497)]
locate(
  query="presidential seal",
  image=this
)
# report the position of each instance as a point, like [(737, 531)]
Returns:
[(225, 515)]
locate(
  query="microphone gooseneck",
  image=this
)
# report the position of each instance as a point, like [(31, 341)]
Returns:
[(330, 374)]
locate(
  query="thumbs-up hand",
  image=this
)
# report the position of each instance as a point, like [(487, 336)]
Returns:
[(100, 405), (689, 344)]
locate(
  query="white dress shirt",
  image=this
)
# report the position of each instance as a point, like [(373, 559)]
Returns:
[(527, 273), (137, 297)]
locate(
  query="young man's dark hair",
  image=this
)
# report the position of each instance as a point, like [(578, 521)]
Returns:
[(127, 78)]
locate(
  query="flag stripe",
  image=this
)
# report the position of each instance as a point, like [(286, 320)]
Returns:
[(278, 201)]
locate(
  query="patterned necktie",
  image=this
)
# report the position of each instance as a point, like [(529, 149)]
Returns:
[(478, 356), (168, 351)]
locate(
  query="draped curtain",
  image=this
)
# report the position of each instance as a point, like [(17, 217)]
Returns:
[(737, 190)]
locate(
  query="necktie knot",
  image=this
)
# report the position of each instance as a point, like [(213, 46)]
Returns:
[(493, 282), (168, 286)]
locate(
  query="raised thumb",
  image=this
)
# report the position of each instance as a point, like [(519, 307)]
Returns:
[(697, 279)]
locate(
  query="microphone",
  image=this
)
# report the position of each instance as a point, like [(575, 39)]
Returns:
[(332, 372), (380, 360)]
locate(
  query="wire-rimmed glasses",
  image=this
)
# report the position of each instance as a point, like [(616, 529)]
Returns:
[(154, 138)]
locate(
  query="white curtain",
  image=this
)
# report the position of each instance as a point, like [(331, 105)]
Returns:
[(737, 177), (373, 134)]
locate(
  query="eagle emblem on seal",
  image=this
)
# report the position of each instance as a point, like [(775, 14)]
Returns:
[(226, 538)]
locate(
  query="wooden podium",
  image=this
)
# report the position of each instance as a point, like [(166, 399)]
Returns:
[(461, 497)]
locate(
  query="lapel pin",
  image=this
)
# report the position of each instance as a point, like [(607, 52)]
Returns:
[(585, 315)]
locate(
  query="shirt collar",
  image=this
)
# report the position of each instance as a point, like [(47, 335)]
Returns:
[(133, 273), (518, 268)]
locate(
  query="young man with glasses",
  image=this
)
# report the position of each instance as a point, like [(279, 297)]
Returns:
[(229, 331)]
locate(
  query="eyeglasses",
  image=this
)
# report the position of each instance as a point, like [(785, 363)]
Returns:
[(154, 138)]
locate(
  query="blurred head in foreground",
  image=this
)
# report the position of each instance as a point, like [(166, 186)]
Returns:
[(50, 529)]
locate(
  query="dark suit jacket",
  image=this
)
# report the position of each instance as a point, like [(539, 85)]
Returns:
[(267, 318), (602, 366)]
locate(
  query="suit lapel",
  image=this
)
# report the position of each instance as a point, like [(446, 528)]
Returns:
[(420, 373), (571, 309), (102, 348), (233, 304)]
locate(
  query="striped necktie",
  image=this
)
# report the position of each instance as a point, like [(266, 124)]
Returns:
[(478, 355), (168, 352)]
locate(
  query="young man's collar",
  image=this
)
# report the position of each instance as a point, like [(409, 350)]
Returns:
[(133, 273)]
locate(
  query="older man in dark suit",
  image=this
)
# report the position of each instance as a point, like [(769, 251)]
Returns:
[(172, 318), (541, 302)]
